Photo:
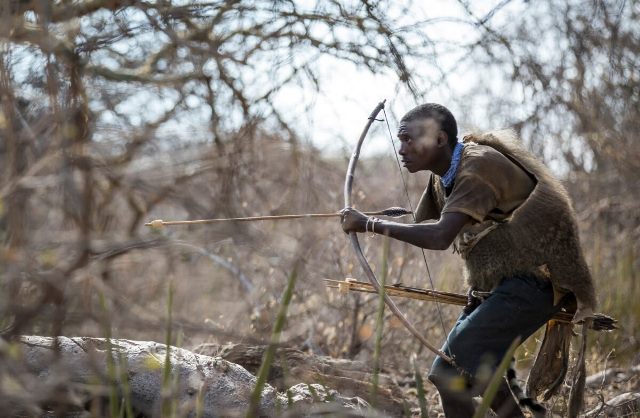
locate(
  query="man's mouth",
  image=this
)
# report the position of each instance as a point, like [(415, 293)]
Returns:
[(405, 162)]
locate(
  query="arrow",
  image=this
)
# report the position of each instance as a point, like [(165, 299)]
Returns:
[(394, 212), (601, 322)]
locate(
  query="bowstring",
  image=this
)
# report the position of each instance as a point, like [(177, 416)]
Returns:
[(413, 214)]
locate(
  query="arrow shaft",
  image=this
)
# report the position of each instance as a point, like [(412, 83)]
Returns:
[(601, 322), (256, 218)]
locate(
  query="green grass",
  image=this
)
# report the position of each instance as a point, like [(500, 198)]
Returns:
[(379, 323), (496, 381), (269, 355), (168, 403), (114, 399), (616, 278), (422, 400)]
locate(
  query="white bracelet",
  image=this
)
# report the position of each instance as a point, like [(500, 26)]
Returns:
[(373, 226), (366, 225)]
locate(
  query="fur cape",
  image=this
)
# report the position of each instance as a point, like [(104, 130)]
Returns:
[(542, 231), (541, 235)]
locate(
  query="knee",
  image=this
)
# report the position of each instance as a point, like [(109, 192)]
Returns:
[(440, 373), (433, 378)]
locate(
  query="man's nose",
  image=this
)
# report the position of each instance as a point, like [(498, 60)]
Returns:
[(403, 149)]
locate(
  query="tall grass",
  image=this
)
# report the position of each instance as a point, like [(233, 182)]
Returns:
[(615, 274), (269, 355), (496, 381), (114, 399), (422, 400), (379, 322), (168, 404), (126, 408)]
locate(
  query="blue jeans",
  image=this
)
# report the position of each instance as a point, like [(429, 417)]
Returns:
[(518, 306)]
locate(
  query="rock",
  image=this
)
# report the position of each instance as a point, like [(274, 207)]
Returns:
[(605, 377), (61, 366), (314, 399), (625, 405), (64, 376), (614, 375), (291, 366)]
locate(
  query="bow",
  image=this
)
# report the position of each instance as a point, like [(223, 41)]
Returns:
[(348, 186)]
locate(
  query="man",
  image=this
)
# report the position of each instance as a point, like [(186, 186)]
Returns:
[(513, 225)]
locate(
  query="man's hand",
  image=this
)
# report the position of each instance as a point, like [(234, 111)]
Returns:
[(431, 236), (353, 220)]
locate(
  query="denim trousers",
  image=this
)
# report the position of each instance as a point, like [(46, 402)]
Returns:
[(518, 306)]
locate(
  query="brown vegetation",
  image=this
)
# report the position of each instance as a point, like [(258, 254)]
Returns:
[(114, 113)]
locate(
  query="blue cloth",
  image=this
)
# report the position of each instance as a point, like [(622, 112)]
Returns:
[(518, 306), (450, 176)]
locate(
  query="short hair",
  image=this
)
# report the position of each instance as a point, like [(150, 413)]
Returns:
[(438, 112)]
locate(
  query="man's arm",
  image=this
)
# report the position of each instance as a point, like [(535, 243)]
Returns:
[(433, 236)]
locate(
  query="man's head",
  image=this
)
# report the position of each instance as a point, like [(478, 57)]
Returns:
[(428, 133)]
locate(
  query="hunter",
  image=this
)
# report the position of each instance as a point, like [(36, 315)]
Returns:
[(513, 224)]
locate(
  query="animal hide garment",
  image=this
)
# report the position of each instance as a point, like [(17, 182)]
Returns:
[(539, 237)]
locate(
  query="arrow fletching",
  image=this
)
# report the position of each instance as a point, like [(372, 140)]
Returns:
[(395, 212)]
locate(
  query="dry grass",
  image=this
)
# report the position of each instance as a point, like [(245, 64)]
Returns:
[(210, 304), (82, 170)]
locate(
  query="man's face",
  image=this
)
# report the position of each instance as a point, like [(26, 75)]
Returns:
[(420, 144)]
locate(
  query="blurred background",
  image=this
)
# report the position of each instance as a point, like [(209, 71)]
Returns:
[(117, 112)]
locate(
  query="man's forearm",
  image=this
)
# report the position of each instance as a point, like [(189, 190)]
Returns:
[(434, 236), (429, 236)]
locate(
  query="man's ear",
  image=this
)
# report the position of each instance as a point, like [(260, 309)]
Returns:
[(442, 138)]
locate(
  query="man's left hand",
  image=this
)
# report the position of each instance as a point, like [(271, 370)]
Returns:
[(353, 220)]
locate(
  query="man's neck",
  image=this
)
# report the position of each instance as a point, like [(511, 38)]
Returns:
[(443, 163)]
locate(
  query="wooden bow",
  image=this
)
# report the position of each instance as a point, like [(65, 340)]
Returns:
[(348, 186)]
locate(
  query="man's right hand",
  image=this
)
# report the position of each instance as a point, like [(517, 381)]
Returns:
[(353, 220)]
